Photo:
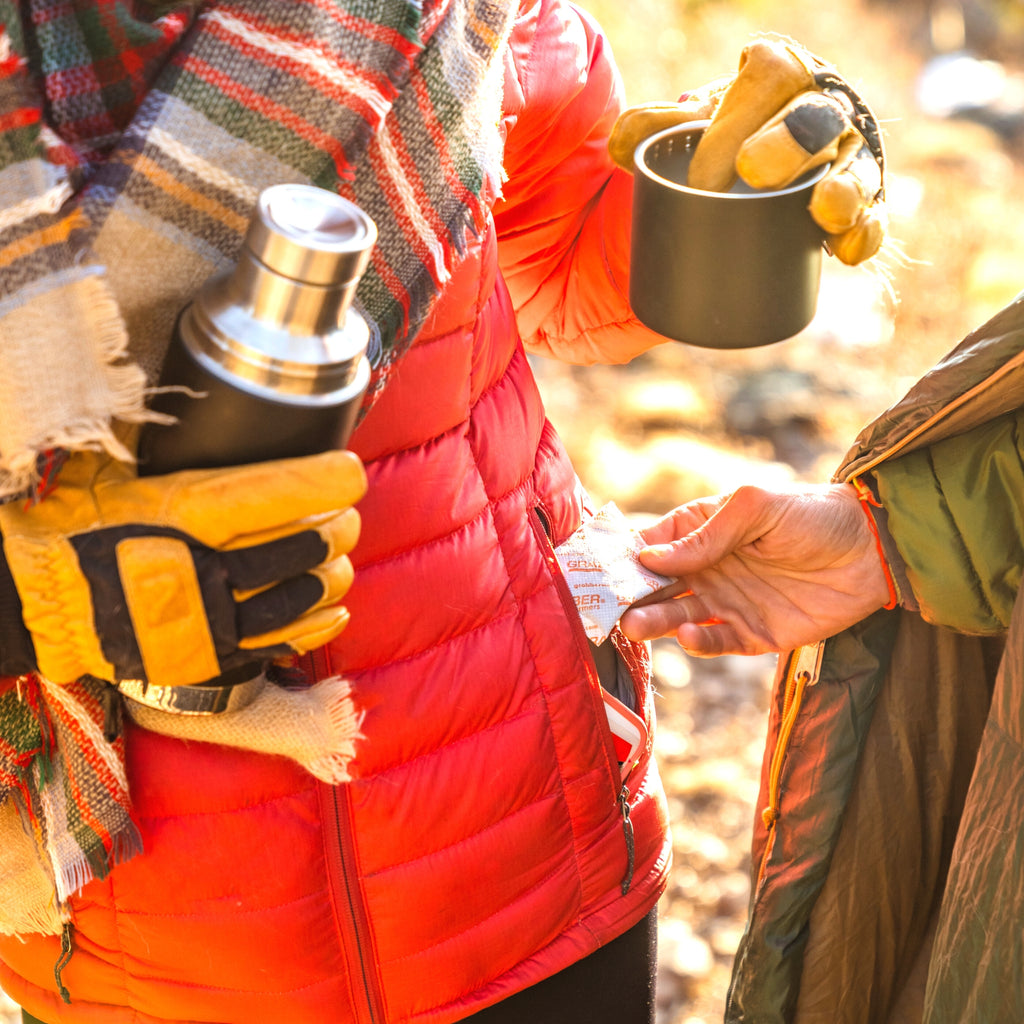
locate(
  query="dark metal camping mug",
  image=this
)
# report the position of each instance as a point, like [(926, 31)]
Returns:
[(731, 269)]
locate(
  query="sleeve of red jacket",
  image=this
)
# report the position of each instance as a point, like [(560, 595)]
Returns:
[(564, 219)]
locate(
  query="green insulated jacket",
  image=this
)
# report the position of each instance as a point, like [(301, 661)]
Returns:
[(888, 852)]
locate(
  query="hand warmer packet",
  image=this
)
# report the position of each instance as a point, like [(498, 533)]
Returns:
[(600, 564)]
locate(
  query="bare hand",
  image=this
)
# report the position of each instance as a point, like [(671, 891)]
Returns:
[(760, 571)]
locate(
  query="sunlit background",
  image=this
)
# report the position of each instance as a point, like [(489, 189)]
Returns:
[(945, 80)]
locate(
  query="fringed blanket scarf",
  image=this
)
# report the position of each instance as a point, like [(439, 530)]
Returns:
[(68, 797), (134, 140), (133, 147)]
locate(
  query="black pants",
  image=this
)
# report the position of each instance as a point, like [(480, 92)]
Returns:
[(614, 985)]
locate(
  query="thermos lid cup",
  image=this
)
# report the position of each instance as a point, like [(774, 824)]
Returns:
[(310, 235), (280, 322)]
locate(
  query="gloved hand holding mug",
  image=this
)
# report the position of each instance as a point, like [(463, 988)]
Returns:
[(784, 113), (176, 579)]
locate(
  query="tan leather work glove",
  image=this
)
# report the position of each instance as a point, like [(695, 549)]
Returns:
[(177, 579), (784, 113), (640, 122)]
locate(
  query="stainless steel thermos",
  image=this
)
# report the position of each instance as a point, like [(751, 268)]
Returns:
[(269, 360)]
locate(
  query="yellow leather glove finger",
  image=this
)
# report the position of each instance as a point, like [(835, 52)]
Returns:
[(805, 134), (305, 634), (283, 615), (864, 239), (227, 508), (771, 72), (853, 181), (121, 578), (848, 204), (812, 129), (646, 119), (341, 533), (335, 577)]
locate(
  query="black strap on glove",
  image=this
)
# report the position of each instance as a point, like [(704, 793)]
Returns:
[(862, 117)]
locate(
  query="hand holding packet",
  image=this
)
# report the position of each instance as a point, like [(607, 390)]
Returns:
[(600, 564)]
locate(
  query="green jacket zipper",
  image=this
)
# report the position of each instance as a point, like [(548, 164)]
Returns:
[(803, 671)]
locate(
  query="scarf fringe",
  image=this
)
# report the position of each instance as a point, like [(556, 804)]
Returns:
[(317, 726), (74, 874), (345, 721), (127, 844), (28, 902), (40, 920), (85, 424), (83, 868), (126, 380)]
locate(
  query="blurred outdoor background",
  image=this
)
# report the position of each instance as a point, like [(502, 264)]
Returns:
[(946, 78)]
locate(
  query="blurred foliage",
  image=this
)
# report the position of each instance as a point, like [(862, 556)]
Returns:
[(955, 195), (667, 46)]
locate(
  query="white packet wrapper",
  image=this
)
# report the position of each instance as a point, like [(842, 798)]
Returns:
[(600, 564)]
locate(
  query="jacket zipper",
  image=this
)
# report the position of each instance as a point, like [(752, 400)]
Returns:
[(627, 830), (803, 671), (350, 911), (543, 529), (66, 952)]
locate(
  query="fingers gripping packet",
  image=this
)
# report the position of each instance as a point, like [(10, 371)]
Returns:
[(600, 564)]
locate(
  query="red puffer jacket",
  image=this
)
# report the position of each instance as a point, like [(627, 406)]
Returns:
[(483, 844)]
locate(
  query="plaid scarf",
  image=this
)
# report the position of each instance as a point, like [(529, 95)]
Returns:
[(134, 140), (67, 780)]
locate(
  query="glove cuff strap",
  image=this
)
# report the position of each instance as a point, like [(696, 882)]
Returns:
[(215, 698)]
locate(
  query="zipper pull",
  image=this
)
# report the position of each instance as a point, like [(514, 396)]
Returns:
[(808, 661), (804, 670), (627, 829)]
